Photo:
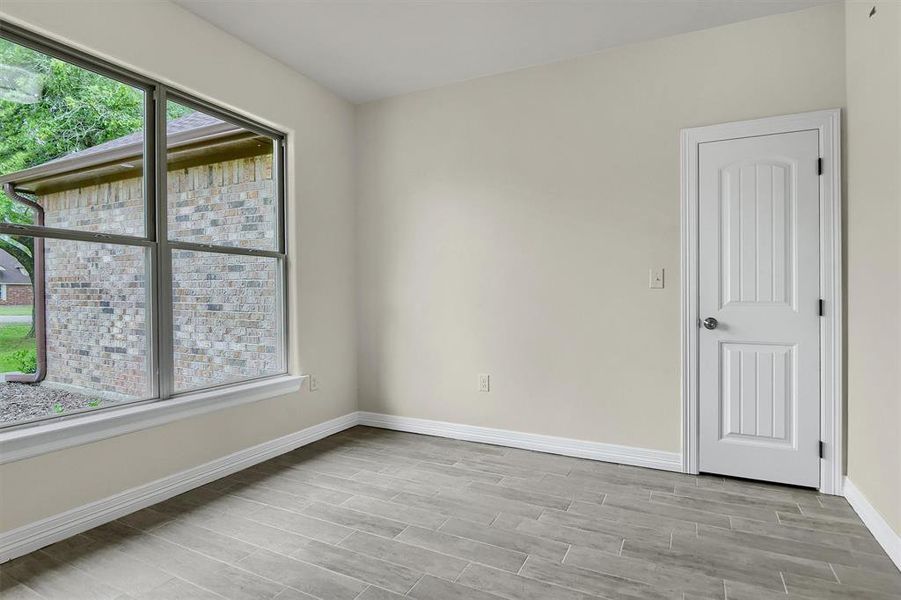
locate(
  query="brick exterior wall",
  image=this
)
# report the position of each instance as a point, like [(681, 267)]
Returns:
[(17, 294), (225, 328), (96, 315), (224, 311)]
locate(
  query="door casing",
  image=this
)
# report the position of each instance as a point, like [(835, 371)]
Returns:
[(828, 123)]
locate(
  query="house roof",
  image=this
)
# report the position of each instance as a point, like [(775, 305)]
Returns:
[(190, 122), (123, 157), (11, 271)]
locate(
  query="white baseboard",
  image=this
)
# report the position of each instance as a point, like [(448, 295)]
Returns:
[(627, 455), (33, 536), (888, 538)]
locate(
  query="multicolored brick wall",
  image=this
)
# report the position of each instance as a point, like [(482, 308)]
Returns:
[(225, 326), (17, 295)]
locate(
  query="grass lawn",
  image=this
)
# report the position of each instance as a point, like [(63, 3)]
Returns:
[(12, 338), (15, 310)]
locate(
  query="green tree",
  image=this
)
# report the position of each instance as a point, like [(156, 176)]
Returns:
[(77, 109)]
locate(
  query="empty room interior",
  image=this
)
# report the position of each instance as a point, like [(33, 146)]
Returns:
[(439, 299)]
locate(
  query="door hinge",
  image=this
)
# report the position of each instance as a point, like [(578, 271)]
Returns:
[(819, 166), (821, 307), (822, 449)]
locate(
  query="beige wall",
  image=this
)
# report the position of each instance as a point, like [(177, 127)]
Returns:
[(506, 225), (199, 58), (873, 246)]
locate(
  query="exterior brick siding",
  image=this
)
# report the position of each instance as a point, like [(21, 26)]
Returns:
[(225, 326), (17, 294)]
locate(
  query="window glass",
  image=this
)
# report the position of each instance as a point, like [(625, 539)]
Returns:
[(97, 340), (226, 318), (71, 143), (221, 186)]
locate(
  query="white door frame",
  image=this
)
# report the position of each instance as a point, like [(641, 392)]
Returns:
[(828, 123)]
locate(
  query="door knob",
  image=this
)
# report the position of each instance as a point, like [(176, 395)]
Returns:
[(710, 323)]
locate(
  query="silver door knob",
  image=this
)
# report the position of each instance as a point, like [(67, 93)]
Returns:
[(710, 323)]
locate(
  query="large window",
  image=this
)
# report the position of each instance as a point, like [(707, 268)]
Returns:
[(143, 233)]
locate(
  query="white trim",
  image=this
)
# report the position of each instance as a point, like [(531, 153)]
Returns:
[(828, 123), (627, 455), (888, 538), (33, 440), (33, 536)]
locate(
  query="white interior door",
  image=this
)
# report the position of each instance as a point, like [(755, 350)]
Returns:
[(759, 381)]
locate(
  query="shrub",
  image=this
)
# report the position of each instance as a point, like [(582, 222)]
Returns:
[(25, 361)]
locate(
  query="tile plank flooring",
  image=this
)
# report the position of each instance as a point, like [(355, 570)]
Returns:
[(369, 514)]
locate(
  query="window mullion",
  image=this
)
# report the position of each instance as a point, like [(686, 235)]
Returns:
[(280, 175), (152, 270), (163, 308)]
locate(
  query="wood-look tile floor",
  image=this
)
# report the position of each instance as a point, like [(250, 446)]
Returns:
[(373, 515)]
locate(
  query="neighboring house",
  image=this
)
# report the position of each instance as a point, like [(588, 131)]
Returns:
[(15, 285), (220, 188)]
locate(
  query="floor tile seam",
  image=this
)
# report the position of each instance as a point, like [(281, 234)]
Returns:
[(259, 548), (372, 514), (107, 583), (23, 583), (147, 563), (622, 577), (463, 537), (468, 560)]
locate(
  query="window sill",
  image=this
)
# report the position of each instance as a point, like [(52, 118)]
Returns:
[(29, 441)]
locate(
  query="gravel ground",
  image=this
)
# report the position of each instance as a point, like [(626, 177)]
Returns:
[(22, 402)]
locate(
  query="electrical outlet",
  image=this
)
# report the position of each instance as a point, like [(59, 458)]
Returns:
[(484, 383), (314, 383), (655, 279)]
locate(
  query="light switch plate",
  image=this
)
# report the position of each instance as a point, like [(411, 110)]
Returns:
[(655, 279)]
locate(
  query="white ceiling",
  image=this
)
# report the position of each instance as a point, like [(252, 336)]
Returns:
[(370, 49)]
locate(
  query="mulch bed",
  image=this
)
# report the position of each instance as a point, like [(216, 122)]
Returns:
[(24, 402)]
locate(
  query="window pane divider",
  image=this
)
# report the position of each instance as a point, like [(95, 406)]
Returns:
[(195, 247), (39, 231)]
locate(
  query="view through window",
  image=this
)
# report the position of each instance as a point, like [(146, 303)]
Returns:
[(124, 283)]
